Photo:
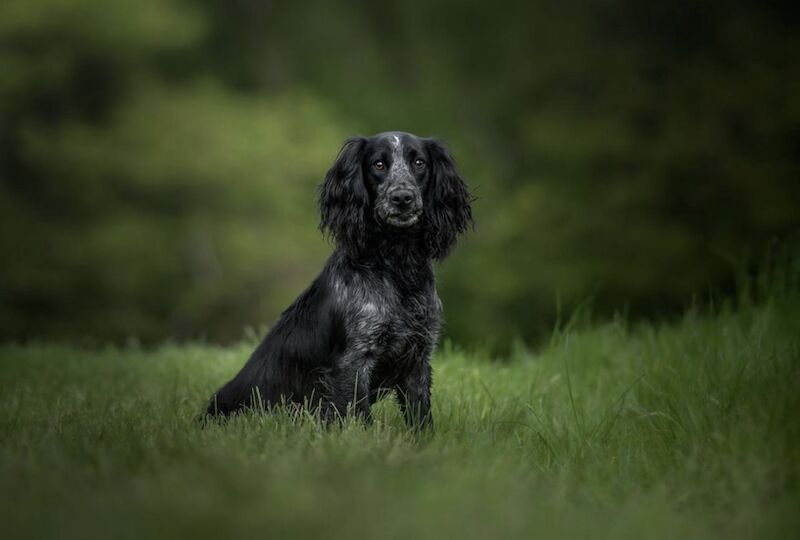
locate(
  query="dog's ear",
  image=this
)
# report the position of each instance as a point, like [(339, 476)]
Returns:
[(447, 202), (343, 198)]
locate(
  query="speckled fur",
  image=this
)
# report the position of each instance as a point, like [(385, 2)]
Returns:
[(366, 327)]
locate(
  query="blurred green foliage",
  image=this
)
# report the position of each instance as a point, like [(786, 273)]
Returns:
[(158, 159)]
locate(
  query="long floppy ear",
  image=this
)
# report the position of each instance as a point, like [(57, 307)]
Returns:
[(447, 204), (343, 198)]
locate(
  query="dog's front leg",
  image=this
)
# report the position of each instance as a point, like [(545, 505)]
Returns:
[(414, 393), (350, 387)]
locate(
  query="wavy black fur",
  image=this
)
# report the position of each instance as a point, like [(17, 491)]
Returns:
[(368, 323)]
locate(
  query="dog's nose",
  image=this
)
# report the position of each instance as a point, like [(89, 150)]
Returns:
[(401, 198)]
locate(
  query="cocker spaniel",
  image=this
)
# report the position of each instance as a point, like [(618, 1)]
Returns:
[(367, 325)]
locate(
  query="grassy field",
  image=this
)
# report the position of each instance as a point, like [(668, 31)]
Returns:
[(690, 430)]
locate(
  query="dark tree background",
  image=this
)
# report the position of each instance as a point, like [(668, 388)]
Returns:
[(158, 159)]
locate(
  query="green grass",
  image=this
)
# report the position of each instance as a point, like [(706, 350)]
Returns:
[(690, 430)]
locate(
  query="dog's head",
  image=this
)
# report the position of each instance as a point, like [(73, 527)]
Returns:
[(395, 182)]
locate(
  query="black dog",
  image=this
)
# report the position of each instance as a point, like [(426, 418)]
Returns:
[(368, 324)]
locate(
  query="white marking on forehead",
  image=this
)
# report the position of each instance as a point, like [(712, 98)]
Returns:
[(399, 164), (398, 161)]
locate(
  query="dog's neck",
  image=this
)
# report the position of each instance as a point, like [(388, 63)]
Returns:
[(405, 254)]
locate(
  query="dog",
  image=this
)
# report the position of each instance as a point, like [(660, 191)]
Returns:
[(366, 326)]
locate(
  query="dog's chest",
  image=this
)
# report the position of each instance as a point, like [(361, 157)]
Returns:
[(391, 324)]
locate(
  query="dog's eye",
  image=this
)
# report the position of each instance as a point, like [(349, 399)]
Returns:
[(379, 165), (419, 163)]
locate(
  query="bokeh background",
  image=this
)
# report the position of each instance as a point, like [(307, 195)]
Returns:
[(159, 158)]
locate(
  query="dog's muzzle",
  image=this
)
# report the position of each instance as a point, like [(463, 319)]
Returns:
[(401, 207)]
